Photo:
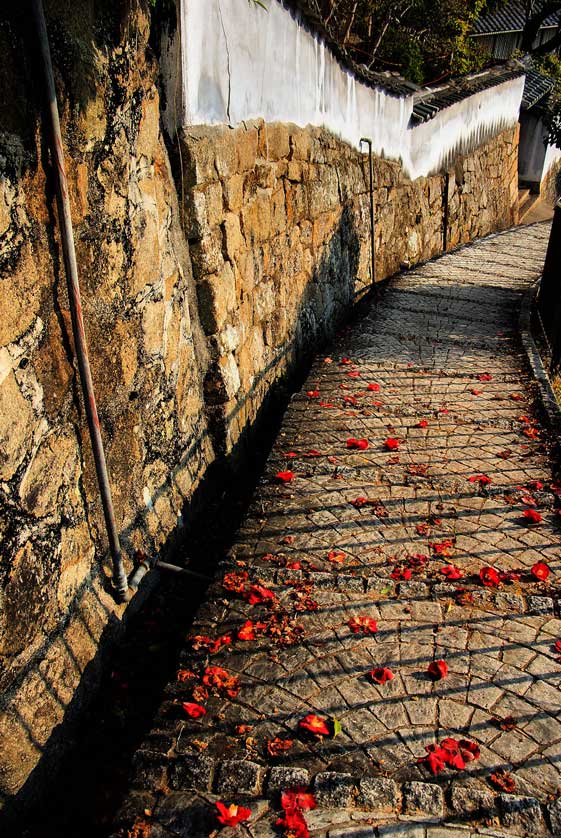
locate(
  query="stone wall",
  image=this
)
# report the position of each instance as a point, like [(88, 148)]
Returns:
[(193, 312), (278, 221), (148, 357)]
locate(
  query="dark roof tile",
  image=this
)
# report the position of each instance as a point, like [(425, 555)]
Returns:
[(509, 18)]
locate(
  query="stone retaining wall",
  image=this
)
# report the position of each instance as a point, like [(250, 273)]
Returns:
[(192, 314), (278, 221)]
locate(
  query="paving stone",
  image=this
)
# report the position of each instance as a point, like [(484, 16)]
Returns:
[(191, 771), (334, 789), (540, 605), (239, 777), (401, 830), (468, 801), (523, 813), (148, 770), (510, 602), (554, 812), (283, 777), (378, 794), (423, 799), (353, 832)]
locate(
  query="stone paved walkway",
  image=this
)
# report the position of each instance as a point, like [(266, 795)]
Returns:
[(365, 533)]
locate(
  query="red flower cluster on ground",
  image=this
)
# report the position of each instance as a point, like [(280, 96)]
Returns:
[(381, 674), (438, 670), (391, 443), (294, 803), (195, 711), (450, 752), (231, 815), (316, 725), (540, 571), (221, 680), (489, 577), (361, 444), (366, 625), (482, 479), (531, 516), (284, 476), (451, 571), (212, 646)]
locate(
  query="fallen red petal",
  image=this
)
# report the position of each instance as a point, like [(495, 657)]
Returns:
[(438, 670)]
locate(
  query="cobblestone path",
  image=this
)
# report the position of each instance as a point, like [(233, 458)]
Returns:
[(437, 366)]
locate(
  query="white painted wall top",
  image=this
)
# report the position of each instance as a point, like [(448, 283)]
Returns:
[(240, 62)]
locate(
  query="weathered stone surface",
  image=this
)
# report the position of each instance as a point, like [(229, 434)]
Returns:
[(469, 801), (191, 771), (378, 794), (236, 777), (284, 777), (423, 799), (522, 813), (334, 789)]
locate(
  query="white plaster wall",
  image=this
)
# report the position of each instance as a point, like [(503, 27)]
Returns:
[(463, 126), (239, 62), (552, 155)]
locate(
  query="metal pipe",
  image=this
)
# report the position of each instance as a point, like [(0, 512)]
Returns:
[(144, 567), (445, 212), (372, 231), (71, 270)]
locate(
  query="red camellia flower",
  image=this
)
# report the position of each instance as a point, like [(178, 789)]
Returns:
[(374, 388), (469, 750), (537, 485), (489, 577), (381, 674), (195, 711), (541, 571), (366, 625), (258, 593), (298, 798), (557, 645), (316, 725), (484, 376), (400, 572), (532, 516), (249, 630), (423, 423), (359, 502), (482, 479), (391, 443), (284, 476), (438, 670), (361, 444), (220, 679), (476, 392), (313, 394), (450, 752), (353, 374), (232, 815), (451, 571)]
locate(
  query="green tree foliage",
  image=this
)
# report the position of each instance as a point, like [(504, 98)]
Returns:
[(424, 40)]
